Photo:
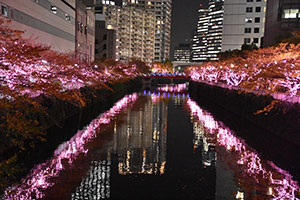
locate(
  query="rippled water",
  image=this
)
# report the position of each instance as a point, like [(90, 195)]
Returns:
[(156, 145)]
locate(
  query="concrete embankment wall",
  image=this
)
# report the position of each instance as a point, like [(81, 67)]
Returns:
[(283, 121)]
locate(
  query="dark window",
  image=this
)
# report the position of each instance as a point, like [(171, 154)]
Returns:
[(104, 37), (257, 9), (249, 9), (258, 0), (104, 55), (104, 46), (85, 29), (255, 40), (256, 30), (96, 41), (247, 30), (247, 40), (4, 10), (249, 0), (257, 20)]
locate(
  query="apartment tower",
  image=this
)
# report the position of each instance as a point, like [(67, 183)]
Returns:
[(162, 10)]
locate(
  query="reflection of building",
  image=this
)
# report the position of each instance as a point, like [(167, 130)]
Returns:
[(182, 53), (243, 23), (140, 143), (96, 184), (282, 17), (205, 142)]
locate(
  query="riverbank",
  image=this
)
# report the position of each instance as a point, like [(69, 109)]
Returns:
[(276, 133), (61, 123)]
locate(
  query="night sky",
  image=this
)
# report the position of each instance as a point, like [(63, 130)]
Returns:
[(184, 20)]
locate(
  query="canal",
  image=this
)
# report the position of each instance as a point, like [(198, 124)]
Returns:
[(156, 144)]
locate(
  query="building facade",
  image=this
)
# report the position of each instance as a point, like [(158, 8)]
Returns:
[(135, 32), (207, 41), (105, 40), (162, 10), (182, 53), (67, 26), (244, 23), (282, 18), (85, 33), (215, 28), (48, 22), (199, 40)]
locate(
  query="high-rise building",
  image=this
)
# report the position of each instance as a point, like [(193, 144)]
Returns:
[(49, 22), (85, 33), (207, 41), (199, 40), (282, 18), (135, 35), (182, 53), (215, 28), (243, 23), (105, 39), (162, 10)]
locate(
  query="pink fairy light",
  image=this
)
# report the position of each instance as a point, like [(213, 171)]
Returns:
[(41, 176), (282, 187)]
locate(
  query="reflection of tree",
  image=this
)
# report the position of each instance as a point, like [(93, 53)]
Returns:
[(258, 178)]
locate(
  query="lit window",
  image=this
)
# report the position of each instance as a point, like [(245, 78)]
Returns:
[(248, 20), (54, 9), (290, 13), (4, 10), (68, 18)]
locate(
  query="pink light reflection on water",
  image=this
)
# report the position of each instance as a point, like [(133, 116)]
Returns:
[(40, 177), (284, 187), (173, 88)]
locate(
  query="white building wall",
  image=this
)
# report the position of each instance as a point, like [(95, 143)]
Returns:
[(42, 24), (235, 22)]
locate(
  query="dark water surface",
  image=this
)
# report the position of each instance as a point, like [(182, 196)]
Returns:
[(156, 145)]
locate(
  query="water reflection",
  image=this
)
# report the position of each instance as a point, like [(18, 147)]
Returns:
[(40, 178), (141, 146), (259, 179)]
